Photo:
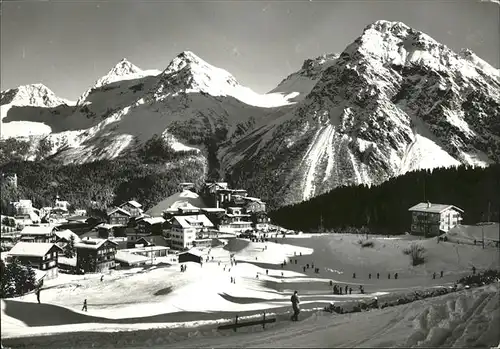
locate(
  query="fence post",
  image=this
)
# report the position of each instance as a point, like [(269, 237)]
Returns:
[(264, 323), (236, 322)]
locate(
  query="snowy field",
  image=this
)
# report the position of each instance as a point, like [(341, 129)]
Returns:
[(161, 298)]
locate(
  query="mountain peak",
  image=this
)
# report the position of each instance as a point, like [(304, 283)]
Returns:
[(121, 69), (186, 58), (32, 94)]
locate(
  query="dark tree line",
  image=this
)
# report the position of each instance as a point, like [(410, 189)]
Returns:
[(384, 208), (148, 176)]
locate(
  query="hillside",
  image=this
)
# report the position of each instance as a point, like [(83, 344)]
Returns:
[(149, 176), (394, 101), (167, 307), (384, 208)]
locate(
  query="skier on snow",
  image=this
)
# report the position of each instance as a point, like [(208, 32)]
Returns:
[(295, 305)]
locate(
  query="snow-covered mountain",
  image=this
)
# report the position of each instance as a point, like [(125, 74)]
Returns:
[(393, 101), (26, 108), (192, 104)]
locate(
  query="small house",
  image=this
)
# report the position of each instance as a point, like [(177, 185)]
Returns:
[(152, 225), (193, 255), (118, 216), (429, 219), (132, 207), (95, 255), (40, 255), (39, 233)]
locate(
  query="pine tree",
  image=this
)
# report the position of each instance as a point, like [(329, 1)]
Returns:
[(30, 281), (7, 288), (70, 249)]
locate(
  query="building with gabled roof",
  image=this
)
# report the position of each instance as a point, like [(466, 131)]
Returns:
[(429, 219), (133, 208), (39, 255), (184, 229), (65, 236), (39, 233), (118, 216), (192, 255), (95, 255)]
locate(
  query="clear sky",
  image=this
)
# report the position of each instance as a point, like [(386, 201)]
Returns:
[(69, 44)]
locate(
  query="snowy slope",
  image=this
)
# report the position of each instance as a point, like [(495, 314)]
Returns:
[(176, 306), (394, 101), (300, 83), (189, 103)]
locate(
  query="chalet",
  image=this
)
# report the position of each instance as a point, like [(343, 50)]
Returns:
[(22, 207), (213, 188), (39, 255), (433, 219), (235, 221), (193, 255), (201, 243), (149, 251), (64, 236), (118, 216), (254, 205), (127, 259), (39, 233), (96, 255), (138, 239), (61, 206), (260, 220), (184, 229), (150, 225), (132, 207), (105, 231)]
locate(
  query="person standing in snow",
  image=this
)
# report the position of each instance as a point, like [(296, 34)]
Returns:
[(296, 307), (84, 305), (102, 277), (38, 295), (346, 289)]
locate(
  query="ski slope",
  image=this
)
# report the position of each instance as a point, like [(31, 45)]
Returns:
[(162, 301)]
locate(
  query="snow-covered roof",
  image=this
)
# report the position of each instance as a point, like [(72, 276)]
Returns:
[(154, 220), (37, 249), (133, 203), (66, 234), (187, 221), (433, 208), (186, 198), (194, 251), (108, 226), (213, 209), (130, 258), (92, 244), (118, 209), (38, 230)]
